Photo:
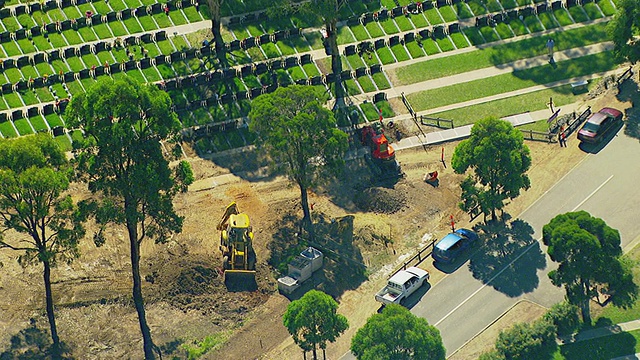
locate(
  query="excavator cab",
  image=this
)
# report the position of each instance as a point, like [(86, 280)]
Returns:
[(236, 245)]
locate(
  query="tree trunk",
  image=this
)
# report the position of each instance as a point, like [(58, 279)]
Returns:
[(336, 62), (55, 348), (315, 354), (584, 305), (324, 354), (214, 12), (137, 292), (306, 219)]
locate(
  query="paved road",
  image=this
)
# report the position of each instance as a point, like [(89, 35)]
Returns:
[(603, 183)]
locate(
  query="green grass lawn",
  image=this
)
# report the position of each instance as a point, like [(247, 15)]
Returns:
[(489, 34), (476, 89), (352, 87), (547, 20), (7, 130), (385, 55), (430, 46), (374, 29), (448, 14), (315, 40), (118, 29), (562, 16), (23, 127), (592, 10), (54, 120), (504, 31), (459, 40), (359, 32), (404, 23), (607, 7), (463, 11), (518, 27), (510, 106), (13, 100), (419, 21), (445, 44), (477, 7), (370, 111), (497, 55), (381, 81), (474, 36), (103, 31), (389, 26), (87, 34), (132, 25), (345, 36), (38, 123), (177, 18), (400, 52), (533, 24), (433, 16), (311, 69), (11, 48), (41, 43), (578, 14), (414, 50), (508, 4), (366, 84), (26, 46), (285, 48)]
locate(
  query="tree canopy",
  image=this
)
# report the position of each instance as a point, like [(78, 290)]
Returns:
[(34, 176), (122, 161), (588, 251), (300, 136), (397, 334), (499, 159), (313, 321), (624, 30), (325, 11)]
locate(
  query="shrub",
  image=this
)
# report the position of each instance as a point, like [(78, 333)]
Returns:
[(565, 317), (527, 341)]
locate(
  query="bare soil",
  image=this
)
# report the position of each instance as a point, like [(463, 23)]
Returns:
[(366, 227)]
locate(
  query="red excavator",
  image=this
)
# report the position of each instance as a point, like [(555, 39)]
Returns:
[(382, 156)]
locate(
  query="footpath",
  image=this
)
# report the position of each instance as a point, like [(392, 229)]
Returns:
[(602, 332)]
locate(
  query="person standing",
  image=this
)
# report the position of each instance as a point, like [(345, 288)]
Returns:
[(550, 45)]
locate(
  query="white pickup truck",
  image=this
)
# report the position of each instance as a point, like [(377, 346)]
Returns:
[(401, 285)]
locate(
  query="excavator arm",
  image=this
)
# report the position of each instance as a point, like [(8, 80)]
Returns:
[(232, 209)]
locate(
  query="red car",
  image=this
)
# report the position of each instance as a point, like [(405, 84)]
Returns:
[(598, 124)]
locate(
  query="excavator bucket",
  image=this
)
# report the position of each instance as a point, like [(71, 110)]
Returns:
[(240, 280)]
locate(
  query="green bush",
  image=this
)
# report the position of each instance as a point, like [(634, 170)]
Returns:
[(565, 318), (527, 341)]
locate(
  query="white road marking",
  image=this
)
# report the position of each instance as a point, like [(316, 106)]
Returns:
[(592, 193)]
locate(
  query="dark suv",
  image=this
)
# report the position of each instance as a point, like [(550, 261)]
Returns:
[(448, 248), (598, 124)]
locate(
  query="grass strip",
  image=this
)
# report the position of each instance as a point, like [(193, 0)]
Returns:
[(497, 55), (516, 80), (514, 105)]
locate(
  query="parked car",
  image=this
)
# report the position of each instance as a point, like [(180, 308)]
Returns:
[(598, 124), (449, 247), (401, 285)]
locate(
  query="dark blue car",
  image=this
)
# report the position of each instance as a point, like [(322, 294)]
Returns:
[(449, 247)]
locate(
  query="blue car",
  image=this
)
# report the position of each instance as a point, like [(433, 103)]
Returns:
[(449, 247)]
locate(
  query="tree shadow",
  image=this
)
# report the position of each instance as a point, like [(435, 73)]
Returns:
[(343, 267), (32, 343), (629, 92), (495, 264), (606, 347)]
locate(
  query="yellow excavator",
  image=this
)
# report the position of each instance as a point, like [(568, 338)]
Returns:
[(236, 238)]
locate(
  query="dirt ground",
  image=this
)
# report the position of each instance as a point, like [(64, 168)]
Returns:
[(368, 227)]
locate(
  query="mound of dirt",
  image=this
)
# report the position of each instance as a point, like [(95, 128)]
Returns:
[(380, 200), (194, 283)]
